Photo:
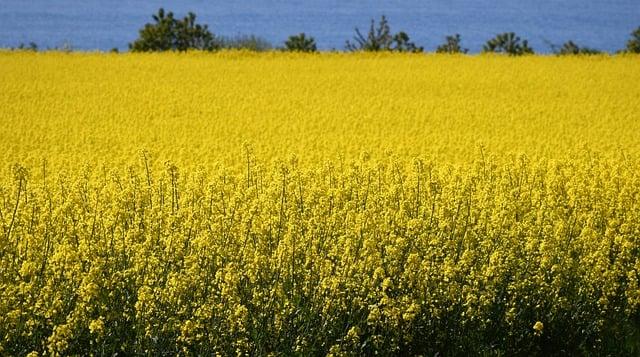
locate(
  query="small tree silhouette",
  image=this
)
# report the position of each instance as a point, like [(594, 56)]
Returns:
[(380, 39), (633, 45), (571, 48), (452, 45), (402, 43), (171, 34), (508, 43), (301, 43)]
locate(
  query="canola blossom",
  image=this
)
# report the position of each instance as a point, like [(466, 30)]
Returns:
[(330, 204)]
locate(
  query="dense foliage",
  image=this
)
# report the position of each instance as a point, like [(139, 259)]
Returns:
[(171, 34), (244, 203), (301, 43)]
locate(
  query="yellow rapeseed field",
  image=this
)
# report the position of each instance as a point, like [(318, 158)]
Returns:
[(203, 108), (343, 204)]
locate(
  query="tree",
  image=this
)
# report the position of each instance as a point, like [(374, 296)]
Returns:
[(171, 34), (381, 39), (402, 43), (300, 43), (570, 48), (452, 45), (633, 45), (190, 35), (508, 43)]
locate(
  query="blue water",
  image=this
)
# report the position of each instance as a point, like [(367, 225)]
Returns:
[(105, 24)]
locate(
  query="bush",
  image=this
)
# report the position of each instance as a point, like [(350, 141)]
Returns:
[(171, 34), (380, 39), (508, 43), (301, 43), (570, 48), (452, 45), (633, 45)]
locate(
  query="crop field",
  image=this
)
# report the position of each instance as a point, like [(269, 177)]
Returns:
[(250, 204)]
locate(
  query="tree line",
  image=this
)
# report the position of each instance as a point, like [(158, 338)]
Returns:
[(169, 33)]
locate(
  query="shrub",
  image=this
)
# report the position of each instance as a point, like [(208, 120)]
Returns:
[(171, 34), (300, 43), (380, 39), (571, 48), (452, 45), (508, 43), (633, 45)]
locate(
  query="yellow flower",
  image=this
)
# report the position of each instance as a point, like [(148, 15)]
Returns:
[(97, 326), (538, 327), (240, 199)]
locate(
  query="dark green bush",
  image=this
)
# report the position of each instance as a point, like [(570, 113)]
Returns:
[(452, 45), (633, 45), (508, 43), (300, 43), (571, 48), (171, 34)]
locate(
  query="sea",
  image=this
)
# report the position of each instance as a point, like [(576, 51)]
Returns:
[(90, 25)]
